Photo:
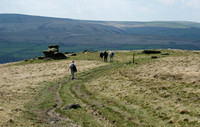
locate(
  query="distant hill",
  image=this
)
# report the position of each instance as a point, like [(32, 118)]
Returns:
[(25, 36)]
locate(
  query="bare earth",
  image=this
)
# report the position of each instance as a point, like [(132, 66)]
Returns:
[(19, 83)]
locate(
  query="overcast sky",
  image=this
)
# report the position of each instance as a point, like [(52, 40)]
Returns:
[(115, 10)]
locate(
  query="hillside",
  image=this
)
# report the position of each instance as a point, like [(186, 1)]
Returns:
[(150, 92), (25, 36)]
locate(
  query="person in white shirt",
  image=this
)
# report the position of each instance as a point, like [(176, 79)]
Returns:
[(73, 69), (111, 56)]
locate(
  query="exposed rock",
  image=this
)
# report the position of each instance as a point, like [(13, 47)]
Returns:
[(165, 53), (154, 57), (71, 106), (53, 53), (196, 52), (40, 57), (11, 121), (74, 54), (151, 52)]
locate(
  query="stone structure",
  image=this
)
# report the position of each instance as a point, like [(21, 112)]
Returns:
[(53, 53)]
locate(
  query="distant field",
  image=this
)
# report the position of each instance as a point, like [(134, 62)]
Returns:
[(11, 52), (24, 36)]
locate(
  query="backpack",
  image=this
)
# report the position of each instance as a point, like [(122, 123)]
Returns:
[(74, 68), (112, 53), (71, 66)]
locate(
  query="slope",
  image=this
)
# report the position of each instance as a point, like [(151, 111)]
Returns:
[(24, 36), (151, 92)]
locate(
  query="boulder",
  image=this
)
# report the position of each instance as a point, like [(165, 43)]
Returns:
[(71, 106), (165, 53), (53, 53), (154, 57), (74, 54), (40, 57)]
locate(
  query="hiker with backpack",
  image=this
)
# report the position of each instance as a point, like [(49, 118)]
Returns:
[(111, 54), (73, 69), (105, 54)]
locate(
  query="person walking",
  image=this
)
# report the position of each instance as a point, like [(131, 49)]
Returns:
[(101, 56), (105, 56), (111, 56), (73, 69)]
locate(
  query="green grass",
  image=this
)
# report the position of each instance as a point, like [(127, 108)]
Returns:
[(11, 52), (153, 102), (158, 46)]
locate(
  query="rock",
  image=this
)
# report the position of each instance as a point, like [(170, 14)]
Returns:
[(151, 52), (11, 120), (71, 106), (74, 54), (165, 53), (186, 120), (154, 57), (128, 63), (196, 52), (59, 55), (40, 58), (53, 53), (54, 46)]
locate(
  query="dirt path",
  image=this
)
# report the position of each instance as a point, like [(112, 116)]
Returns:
[(54, 118), (90, 104), (20, 83), (95, 106)]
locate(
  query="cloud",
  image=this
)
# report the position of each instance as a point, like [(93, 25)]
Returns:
[(189, 3), (167, 1), (194, 3), (123, 10)]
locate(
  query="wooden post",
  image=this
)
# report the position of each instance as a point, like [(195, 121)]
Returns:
[(133, 57)]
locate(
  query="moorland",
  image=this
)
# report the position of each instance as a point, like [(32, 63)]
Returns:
[(149, 92), (24, 36)]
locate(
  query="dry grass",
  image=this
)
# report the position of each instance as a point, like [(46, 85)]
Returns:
[(19, 83), (185, 69), (159, 92), (168, 88)]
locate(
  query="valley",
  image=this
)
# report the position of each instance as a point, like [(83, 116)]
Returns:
[(25, 36)]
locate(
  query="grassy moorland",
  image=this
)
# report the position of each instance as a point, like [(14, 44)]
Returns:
[(151, 92), (12, 52), (24, 36)]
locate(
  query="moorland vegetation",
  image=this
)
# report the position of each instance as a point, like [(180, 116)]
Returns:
[(151, 92)]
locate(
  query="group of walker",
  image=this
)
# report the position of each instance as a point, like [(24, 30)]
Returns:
[(104, 55)]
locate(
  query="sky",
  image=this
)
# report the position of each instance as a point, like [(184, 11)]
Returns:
[(107, 10)]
